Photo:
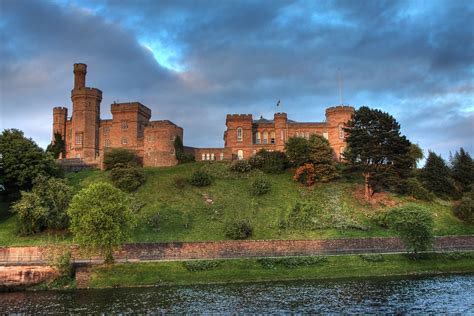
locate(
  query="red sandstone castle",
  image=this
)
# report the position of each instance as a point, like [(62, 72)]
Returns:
[(87, 137)]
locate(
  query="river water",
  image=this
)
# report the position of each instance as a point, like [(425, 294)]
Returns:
[(435, 294)]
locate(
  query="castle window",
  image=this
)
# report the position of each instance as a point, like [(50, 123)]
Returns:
[(70, 146), (212, 156), (326, 135), (258, 138), (79, 139), (222, 156), (282, 135), (265, 137), (69, 133), (124, 124), (239, 134), (172, 151), (203, 157), (240, 154), (107, 143), (207, 156), (272, 138), (341, 131), (124, 141), (106, 130)]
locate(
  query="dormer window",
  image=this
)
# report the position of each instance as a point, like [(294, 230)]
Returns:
[(239, 134)]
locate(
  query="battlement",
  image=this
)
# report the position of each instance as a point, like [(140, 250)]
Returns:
[(280, 115), (340, 108), (86, 91), (239, 117), (161, 124), (80, 67), (59, 110), (130, 107)]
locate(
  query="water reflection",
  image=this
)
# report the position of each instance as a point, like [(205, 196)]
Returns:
[(440, 294)]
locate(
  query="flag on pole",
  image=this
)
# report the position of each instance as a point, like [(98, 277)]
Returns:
[(278, 103)]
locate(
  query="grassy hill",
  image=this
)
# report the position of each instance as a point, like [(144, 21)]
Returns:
[(197, 214)]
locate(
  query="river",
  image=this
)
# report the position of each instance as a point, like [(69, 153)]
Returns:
[(434, 294)]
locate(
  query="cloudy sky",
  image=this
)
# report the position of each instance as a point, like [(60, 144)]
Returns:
[(195, 61)]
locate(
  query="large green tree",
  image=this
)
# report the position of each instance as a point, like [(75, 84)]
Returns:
[(462, 170), (436, 177), (376, 146), (297, 150), (57, 147), (101, 218), (22, 160)]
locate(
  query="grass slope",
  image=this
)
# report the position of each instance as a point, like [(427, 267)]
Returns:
[(250, 270), (185, 215)]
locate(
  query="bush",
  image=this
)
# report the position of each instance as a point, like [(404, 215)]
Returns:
[(120, 156), (465, 210), (256, 162), (414, 225), (305, 175), (181, 156), (32, 214), (241, 166), (273, 161), (297, 150), (239, 229), (201, 265), (414, 188), (291, 262), (127, 177), (261, 186), (154, 220), (201, 179), (372, 257)]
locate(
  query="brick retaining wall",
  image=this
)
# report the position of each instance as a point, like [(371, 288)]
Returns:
[(244, 248)]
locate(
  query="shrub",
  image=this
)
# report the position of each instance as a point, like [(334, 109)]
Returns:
[(273, 161), (154, 220), (324, 172), (32, 214), (291, 262), (241, 166), (201, 179), (372, 257), (238, 229), (414, 225), (180, 182), (127, 177), (305, 175), (414, 188), (261, 186), (201, 265), (256, 162), (465, 210), (120, 156), (297, 150), (181, 156)]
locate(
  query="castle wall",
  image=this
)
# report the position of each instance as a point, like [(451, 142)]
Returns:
[(158, 145)]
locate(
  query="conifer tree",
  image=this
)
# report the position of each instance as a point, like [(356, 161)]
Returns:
[(435, 176), (57, 147), (462, 170)]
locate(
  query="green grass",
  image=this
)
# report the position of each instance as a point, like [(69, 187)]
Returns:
[(250, 270), (185, 216)]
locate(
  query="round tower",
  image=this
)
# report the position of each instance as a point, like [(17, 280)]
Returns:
[(59, 121), (336, 119)]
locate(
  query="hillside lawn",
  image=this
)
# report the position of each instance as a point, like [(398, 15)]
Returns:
[(186, 216)]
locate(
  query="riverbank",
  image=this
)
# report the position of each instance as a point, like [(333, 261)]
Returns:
[(277, 269)]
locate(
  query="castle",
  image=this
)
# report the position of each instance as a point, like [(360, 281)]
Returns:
[(87, 137)]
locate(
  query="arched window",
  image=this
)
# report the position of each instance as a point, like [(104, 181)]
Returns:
[(258, 139), (203, 157), (222, 156), (240, 154), (239, 134), (212, 156), (265, 137), (341, 131), (207, 156), (282, 135), (326, 135), (124, 141), (272, 138)]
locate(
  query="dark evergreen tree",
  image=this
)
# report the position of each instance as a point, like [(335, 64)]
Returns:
[(416, 154), (377, 148), (57, 147), (462, 170), (435, 176), (297, 150)]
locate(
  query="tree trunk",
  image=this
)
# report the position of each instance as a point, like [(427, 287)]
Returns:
[(368, 189)]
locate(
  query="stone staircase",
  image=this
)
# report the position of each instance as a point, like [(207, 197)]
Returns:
[(83, 276)]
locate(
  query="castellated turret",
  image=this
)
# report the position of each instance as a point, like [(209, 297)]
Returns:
[(59, 121), (80, 71)]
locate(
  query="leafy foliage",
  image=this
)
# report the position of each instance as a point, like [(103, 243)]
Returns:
[(241, 166), (44, 207), (127, 177), (305, 175), (101, 218), (120, 156), (238, 229), (201, 178), (414, 188), (435, 176), (58, 147), (22, 161), (291, 262), (201, 265), (273, 161), (416, 154), (298, 151), (465, 209), (414, 225), (256, 162), (462, 170), (372, 257), (181, 156), (376, 146), (261, 186)]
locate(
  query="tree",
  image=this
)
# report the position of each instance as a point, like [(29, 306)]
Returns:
[(297, 150), (127, 177), (22, 160), (57, 147), (465, 209), (462, 170), (414, 225), (322, 156), (122, 156), (376, 146), (416, 154), (435, 176), (101, 218), (44, 207), (273, 161)]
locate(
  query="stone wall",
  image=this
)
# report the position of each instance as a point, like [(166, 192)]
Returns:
[(23, 276)]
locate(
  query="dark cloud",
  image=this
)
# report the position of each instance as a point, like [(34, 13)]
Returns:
[(413, 59)]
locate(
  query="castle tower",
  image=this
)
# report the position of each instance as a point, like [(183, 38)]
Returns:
[(336, 119), (85, 117), (239, 135), (281, 130), (59, 121)]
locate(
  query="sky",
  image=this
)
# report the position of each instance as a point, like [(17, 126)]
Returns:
[(193, 62)]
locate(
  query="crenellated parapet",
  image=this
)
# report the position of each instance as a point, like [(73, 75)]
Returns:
[(340, 108), (239, 117)]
